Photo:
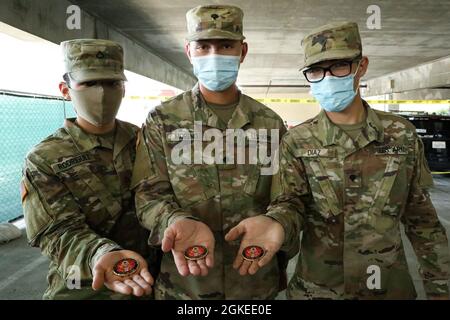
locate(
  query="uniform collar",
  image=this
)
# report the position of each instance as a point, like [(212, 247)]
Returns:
[(124, 134), (241, 116), (330, 134), (85, 142)]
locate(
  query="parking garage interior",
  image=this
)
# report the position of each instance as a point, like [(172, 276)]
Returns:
[(408, 47)]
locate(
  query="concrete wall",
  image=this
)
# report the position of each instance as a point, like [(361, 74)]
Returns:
[(47, 19), (435, 74)]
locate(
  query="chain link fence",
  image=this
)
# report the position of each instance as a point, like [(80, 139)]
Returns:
[(25, 119)]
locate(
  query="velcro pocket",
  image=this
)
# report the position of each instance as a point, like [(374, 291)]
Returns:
[(385, 189), (321, 186), (193, 183), (90, 192), (252, 179)]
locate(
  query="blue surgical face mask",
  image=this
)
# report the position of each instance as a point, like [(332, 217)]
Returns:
[(335, 94), (216, 72)]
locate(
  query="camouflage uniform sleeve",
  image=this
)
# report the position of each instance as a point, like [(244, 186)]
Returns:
[(288, 187), (156, 206), (426, 233), (55, 223)]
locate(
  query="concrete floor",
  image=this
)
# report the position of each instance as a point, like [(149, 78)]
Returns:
[(23, 269)]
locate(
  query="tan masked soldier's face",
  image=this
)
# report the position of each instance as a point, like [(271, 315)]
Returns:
[(96, 101)]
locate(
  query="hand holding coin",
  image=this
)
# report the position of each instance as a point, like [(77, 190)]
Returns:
[(123, 271), (192, 246), (262, 237)]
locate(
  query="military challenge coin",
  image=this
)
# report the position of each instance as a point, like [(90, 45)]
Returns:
[(125, 267), (252, 253), (196, 253)]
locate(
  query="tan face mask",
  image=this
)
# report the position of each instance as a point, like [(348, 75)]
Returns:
[(97, 104)]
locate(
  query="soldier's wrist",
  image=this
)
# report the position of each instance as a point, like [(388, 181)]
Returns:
[(179, 216), (283, 222), (102, 250)]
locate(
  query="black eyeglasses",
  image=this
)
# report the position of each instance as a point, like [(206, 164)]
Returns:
[(339, 69)]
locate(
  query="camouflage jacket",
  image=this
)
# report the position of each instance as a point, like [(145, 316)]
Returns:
[(220, 195), (78, 205), (351, 197)]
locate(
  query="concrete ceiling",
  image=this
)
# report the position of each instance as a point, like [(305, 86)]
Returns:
[(412, 31)]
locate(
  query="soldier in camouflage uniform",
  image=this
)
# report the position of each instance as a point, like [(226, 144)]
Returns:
[(76, 195), (211, 203), (353, 174)]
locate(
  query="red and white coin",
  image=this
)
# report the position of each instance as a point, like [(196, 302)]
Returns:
[(125, 267), (252, 253), (196, 253)]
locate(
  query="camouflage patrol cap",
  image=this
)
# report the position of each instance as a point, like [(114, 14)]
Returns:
[(214, 22), (339, 40), (93, 59)]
